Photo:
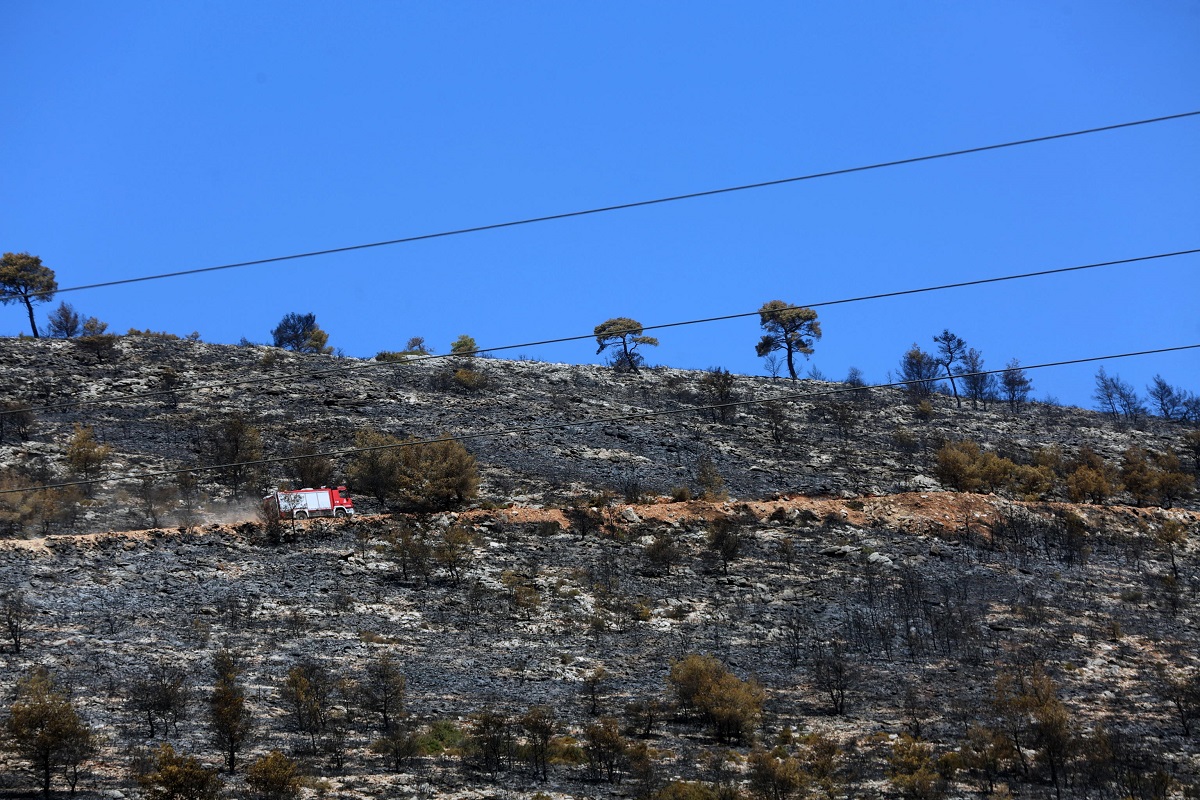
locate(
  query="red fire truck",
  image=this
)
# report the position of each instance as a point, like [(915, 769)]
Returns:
[(305, 503)]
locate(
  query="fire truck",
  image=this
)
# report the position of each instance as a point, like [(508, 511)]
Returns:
[(305, 503)]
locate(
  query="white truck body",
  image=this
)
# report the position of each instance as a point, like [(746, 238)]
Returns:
[(301, 503)]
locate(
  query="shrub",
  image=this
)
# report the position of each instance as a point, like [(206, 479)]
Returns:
[(1173, 482), (161, 693), (774, 775), (833, 674), (730, 705), (1154, 478), (1182, 690), (725, 539), (173, 776), (307, 693), (307, 468), (710, 483), (233, 441), (905, 441), (17, 613), (663, 552), (1088, 485), (398, 746), (470, 380), (912, 770), (1089, 478), (957, 466), (464, 378), (985, 753), (605, 748), (94, 327), (46, 730), (425, 475), (455, 551), (435, 475), (686, 790), (691, 677), (464, 346), (539, 724), (411, 551), (442, 736), (300, 333), (641, 716), (101, 345), (374, 470), (16, 417), (274, 777), (963, 466), (170, 337), (918, 372), (1031, 482), (85, 455), (491, 744), (716, 389)]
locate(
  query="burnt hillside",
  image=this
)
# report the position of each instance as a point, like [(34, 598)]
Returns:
[(831, 441), (838, 626)]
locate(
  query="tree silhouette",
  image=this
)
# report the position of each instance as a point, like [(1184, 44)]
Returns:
[(24, 279), (300, 333), (627, 333), (792, 329), (951, 350)]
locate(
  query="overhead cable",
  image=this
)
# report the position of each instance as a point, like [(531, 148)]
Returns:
[(620, 206)]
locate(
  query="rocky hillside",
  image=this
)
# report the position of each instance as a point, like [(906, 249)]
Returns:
[(847, 628), (821, 439)]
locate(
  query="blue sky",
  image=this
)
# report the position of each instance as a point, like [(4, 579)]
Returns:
[(154, 137)]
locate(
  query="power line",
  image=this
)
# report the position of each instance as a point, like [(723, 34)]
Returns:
[(580, 337), (582, 423), (620, 206)]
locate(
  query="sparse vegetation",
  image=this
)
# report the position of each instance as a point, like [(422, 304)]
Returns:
[(830, 623)]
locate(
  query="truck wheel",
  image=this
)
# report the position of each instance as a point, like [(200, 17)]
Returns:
[(299, 515), (339, 512)]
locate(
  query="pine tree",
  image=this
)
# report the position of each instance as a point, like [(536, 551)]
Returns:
[(792, 329), (627, 334), (24, 279)]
